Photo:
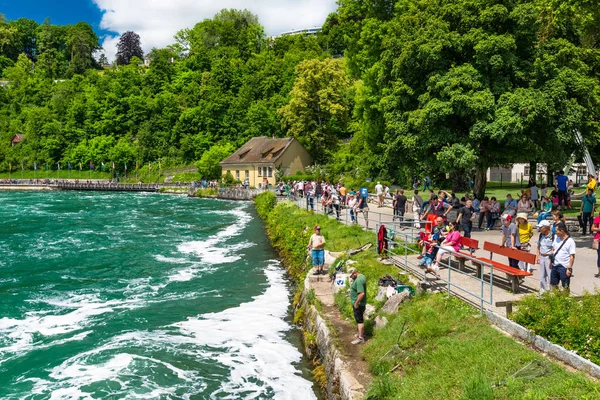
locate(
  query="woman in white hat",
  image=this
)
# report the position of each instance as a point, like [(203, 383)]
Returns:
[(525, 235)]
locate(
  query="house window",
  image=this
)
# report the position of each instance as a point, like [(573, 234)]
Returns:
[(526, 171), (247, 174), (270, 172), (582, 170), (259, 171), (237, 175), (264, 171)]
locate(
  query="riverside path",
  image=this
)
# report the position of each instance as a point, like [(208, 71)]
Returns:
[(582, 281)]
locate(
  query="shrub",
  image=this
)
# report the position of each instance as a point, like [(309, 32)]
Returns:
[(567, 321), (265, 202)]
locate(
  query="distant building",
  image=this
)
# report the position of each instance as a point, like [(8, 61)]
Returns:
[(16, 139), (520, 172), (147, 61), (260, 157), (304, 32)]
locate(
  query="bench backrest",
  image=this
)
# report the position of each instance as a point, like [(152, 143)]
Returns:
[(470, 243), (510, 253)]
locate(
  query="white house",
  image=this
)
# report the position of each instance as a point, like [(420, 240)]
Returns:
[(520, 172)]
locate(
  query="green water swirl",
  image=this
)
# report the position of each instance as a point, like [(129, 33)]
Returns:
[(111, 295)]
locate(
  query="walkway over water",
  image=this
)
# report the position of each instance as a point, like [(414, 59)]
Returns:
[(109, 187)]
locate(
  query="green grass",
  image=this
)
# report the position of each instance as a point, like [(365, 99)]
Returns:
[(449, 352)]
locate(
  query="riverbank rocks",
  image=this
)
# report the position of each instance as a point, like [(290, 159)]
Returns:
[(380, 321), (369, 311), (391, 306)]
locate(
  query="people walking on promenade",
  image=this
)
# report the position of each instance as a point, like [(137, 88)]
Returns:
[(563, 256), (379, 191), (525, 235), (316, 244), (400, 201), (358, 297), (544, 251), (510, 238), (586, 210), (465, 218), (562, 182), (494, 215), (426, 183)]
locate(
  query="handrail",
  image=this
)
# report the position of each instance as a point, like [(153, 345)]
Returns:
[(415, 269)]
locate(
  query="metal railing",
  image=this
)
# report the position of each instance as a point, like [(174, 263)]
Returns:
[(403, 254), (367, 218)]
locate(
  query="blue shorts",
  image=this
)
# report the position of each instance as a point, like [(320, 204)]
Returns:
[(558, 273), (318, 258)]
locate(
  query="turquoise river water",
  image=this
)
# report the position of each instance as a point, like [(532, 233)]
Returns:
[(142, 296)]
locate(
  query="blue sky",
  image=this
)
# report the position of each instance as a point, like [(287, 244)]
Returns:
[(157, 21), (61, 12)]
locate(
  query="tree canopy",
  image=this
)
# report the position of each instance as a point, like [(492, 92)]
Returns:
[(389, 89)]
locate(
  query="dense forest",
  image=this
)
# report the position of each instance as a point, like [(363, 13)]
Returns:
[(389, 88)]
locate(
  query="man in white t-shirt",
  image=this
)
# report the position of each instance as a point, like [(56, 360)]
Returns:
[(563, 250), (379, 190)]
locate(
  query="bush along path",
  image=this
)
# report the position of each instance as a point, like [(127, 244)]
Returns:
[(571, 322), (432, 347)]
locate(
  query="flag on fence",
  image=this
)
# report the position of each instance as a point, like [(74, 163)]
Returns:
[(80, 166), (46, 166), (59, 166), (114, 168), (125, 165), (91, 165), (10, 166), (102, 166), (22, 166), (137, 166), (69, 166), (35, 166), (149, 166)]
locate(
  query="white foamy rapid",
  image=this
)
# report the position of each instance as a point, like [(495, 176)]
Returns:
[(260, 360), (249, 341), (215, 249)]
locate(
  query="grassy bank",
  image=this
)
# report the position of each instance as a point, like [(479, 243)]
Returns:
[(567, 321), (290, 227), (446, 351)]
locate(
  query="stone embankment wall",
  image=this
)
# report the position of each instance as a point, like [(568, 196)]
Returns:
[(341, 384), (238, 194)]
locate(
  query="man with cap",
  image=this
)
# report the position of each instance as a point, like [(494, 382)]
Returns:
[(544, 250), (358, 297), (316, 244)]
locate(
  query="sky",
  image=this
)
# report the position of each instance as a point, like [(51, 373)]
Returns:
[(157, 21)]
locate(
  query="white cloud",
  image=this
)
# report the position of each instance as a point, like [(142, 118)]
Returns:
[(157, 21)]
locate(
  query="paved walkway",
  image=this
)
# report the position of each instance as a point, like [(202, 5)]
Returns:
[(584, 268)]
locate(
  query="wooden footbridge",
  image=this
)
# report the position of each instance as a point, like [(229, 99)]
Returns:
[(109, 187)]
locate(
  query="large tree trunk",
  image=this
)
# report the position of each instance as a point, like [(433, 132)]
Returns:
[(533, 171), (480, 182), (459, 181)]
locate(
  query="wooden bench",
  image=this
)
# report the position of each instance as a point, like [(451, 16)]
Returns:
[(513, 274), (472, 245)]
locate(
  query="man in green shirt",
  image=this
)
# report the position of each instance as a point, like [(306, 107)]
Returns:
[(586, 211), (358, 297)]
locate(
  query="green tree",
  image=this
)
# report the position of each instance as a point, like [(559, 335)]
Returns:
[(208, 165), (319, 109)]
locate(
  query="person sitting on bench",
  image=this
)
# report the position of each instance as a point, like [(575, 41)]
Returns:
[(451, 243)]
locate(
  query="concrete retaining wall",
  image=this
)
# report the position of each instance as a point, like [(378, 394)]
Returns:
[(543, 345), (341, 384), (238, 194)]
